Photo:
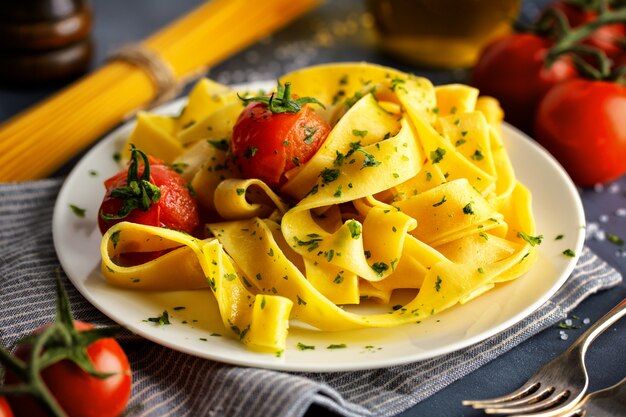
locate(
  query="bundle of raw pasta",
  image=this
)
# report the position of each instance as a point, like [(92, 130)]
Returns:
[(411, 189)]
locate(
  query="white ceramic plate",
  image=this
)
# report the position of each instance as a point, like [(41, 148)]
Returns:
[(556, 205)]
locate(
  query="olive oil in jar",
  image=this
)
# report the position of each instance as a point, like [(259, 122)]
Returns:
[(441, 33)]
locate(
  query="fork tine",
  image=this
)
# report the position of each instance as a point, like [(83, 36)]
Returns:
[(531, 408), (536, 397), (519, 393)]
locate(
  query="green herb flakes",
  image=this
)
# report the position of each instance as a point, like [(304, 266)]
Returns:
[(569, 253), (329, 175), (443, 200), (309, 134), (379, 268), (221, 144), (78, 212), (302, 346), (161, 320), (616, 240), (355, 229), (437, 155), (533, 240), (337, 346), (438, 284)]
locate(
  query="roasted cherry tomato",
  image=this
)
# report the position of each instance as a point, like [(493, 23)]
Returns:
[(170, 203), (268, 141), (607, 37), (5, 409), (512, 70), (581, 122), (78, 393)]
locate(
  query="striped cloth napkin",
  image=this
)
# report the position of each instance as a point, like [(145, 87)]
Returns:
[(168, 383)]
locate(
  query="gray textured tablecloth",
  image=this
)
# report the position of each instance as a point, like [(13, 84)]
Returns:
[(168, 383)]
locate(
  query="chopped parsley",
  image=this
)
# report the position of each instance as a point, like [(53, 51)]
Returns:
[(380, 267), (477, 155), (221, 144), (468, 209), (115, 238), (178, 167), (437, 155), (296, 161), (459, 142), (369, 160), (161, 320), (443, 200), (438, 283), (355, 228), (337, 346), (338, 192), (309, 133), (329, 175), (360, 133), (240, 191), (614, 239), (559, 237), (250, 152), (338, 279), (302, 346), (569, 253), (339, 159), (79, 212), (533, 240)]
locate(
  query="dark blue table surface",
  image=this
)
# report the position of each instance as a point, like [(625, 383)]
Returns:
[(339, 31)]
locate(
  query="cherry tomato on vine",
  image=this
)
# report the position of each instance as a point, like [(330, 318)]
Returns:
[(272, 137), (512, 70), (607, 38), (581, 122), (78, 393), (149, 193), (5, 409)]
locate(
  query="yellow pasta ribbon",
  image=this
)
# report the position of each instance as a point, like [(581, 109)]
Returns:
[(412, 189)]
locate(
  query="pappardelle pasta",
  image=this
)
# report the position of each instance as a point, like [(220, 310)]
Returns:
[(411, 189)]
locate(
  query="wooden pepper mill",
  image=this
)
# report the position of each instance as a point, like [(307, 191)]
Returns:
[(43, 40)]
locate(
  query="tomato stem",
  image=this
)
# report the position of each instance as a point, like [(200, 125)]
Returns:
[(568, 39), (57, 342)]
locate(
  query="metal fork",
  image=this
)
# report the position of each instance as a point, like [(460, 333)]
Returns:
[(559, 384), (609, 402)]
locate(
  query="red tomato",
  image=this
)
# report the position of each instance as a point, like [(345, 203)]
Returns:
[(606, 37), (581, 122), (5, 409), (512, 70), (268, 144), (176, 209), (80, 394)]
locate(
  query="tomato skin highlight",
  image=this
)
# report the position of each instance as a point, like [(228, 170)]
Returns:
[(5, 409), (176, 208), (512, 70), (581, 122), (79, 394), (266, 144)]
